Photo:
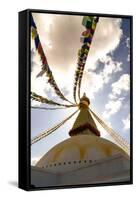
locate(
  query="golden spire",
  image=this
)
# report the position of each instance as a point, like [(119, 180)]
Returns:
[(84, 102), (84, 123)]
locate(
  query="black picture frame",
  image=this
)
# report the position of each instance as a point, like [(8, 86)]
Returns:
[(24, 179)]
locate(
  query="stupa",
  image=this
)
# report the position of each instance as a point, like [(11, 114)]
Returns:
[(84, 158)]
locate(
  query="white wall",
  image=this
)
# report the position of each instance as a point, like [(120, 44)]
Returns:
[(113, 169), (9, 103), (41, 178)]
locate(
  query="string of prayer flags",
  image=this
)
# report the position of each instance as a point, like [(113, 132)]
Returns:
[(45, 66), (89, 23), (41, 99)]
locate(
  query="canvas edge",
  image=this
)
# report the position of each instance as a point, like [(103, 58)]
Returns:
[(24, 101)]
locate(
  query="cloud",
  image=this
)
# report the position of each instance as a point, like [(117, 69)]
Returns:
[(106, 39), (128, 57), (34, 160), (89, 84), (122, 85), (60, 37), (128, 46), (126, 122), (110, 67), (128, 42), (62, 33), (112, 107), (103, 77), (115, 100), (37, 84)]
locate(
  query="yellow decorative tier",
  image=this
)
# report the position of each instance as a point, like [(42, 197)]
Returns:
[(77, 150)]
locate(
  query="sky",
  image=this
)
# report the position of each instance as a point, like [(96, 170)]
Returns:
[(106, 78)]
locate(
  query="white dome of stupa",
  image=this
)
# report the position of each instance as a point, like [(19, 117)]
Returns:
[(84, 147), (78, 151)]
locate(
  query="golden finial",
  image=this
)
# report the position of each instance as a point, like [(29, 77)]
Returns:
[(84, 101)]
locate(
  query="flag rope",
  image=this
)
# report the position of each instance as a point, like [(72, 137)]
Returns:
[(121, 141), (45, 66), (41, 99), (43, 108), (51, 130)]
